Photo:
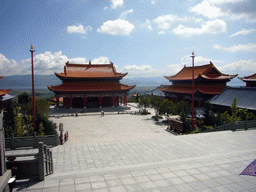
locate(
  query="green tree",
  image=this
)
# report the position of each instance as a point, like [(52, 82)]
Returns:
[(8, 121), (186, 122), (182, 107), (19, 129), (155, 102), (144, 103), (225, 117), (234, 111), (245, 115), (165, 107), (23, 98), (42, 112), (28, 125), (41, 129)]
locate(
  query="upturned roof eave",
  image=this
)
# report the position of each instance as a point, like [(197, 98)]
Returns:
[(64, 76), (57, 89), (4, 91)]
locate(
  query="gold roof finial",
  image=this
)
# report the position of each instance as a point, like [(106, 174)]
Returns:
[(31, 47), (193, 53)]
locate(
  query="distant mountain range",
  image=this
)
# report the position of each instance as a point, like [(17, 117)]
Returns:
[(42, 81)]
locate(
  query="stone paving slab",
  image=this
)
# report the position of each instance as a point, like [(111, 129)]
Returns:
[(134, 153)]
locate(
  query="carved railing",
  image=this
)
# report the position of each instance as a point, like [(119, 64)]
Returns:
[(31, 141), (38, 167)]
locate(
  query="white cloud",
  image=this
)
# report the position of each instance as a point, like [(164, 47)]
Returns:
[(243, 66), (125, 13), (116, 3), (147, 24), (199, 60), (250, 47), (153, 2), (206, 9), (80, 29), (164, 22), (161, 32), (136, 67), (116, 27), (210, 27), (44, 64), (231, 9), (101, 60), (8, 67), (78, 60), (187, 60), (105, 8), (221, 2), (243, 32), (142, 71)]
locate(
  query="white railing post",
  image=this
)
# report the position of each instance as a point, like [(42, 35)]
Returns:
[(41, 161)]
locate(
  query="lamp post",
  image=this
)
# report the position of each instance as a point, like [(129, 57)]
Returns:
[(33, 88), (193, 87)]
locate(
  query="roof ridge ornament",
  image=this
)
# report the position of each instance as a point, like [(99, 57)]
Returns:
[(113, 68)]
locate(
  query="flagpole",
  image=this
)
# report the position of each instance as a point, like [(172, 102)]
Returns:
[(33, 87), (193, 88)]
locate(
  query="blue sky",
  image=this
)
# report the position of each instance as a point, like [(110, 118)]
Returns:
[(142, 37)]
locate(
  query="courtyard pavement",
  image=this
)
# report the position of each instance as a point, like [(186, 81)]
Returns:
[(124, 152)]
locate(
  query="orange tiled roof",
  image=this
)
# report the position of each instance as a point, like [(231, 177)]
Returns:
[(4, 91), (90, 71), (205, 71), (187, 89), (1, 77), (249, 78), (90, 87)]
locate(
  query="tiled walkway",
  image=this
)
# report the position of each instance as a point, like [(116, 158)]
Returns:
[(134, 153)]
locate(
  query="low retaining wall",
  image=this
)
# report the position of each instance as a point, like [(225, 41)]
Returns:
[(236, 125), (175, 125)]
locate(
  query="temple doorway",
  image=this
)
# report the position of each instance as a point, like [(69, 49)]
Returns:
[(92, 102), (78, 102), (106, 101)]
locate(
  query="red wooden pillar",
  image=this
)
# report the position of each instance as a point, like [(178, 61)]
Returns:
[(57, 102), (100, 103), (70, 102), (84, 102), (125, 100), (113, 101), (121, 100)]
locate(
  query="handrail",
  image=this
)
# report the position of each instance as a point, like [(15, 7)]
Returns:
[(43, 156)]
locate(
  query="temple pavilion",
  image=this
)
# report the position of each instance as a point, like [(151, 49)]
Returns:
[(3, 92), (90, 86), (249, 80), (245, 96), (208, 81)]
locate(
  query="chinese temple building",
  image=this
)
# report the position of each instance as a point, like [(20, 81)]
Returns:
[(208, 81), (245, 96), (90, 86), (249, 80), (3, 92)]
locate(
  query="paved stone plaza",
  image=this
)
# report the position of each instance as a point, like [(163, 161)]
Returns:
[(123, 152)]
